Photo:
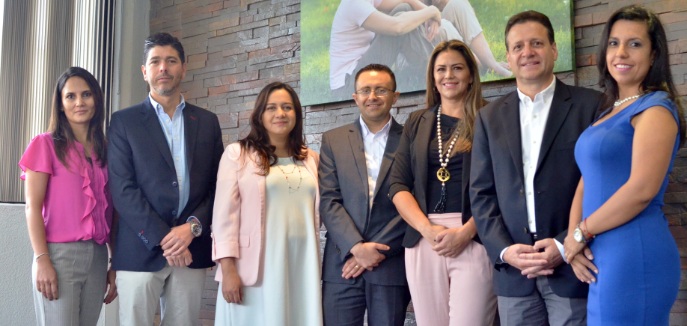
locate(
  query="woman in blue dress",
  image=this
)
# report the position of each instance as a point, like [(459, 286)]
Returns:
[(625, 158)]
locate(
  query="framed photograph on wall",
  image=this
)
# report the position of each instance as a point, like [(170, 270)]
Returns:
[(338, 37)]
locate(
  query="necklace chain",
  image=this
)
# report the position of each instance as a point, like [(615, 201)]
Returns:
[(620, 102), (442, 174), (286, 176)]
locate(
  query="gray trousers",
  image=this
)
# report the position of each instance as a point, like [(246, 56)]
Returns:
[(81, 269), (177, 290), (543, 307)]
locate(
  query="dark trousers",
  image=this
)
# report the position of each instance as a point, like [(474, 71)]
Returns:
[(345, 304)]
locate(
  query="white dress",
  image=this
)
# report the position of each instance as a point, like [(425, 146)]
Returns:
[(289, 292)]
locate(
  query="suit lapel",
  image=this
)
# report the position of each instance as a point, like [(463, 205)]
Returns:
[(420, 150), (190, 131), (560, 106), (511, 127), (389, 150), (355, 140), (151, 123)]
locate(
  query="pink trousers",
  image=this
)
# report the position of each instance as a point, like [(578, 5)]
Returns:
[(450, 291)]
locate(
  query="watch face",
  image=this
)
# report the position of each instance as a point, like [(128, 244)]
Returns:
[(195, 229), (577, 235)]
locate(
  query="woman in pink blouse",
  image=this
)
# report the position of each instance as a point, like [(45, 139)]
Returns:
[(68, 206)]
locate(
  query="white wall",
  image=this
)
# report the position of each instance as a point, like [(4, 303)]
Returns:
[(16, 303)]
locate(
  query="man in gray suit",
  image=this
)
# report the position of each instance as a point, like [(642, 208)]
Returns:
[(363, 264), (523, 179)]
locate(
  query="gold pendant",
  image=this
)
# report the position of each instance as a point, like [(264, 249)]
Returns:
[(443, 175)]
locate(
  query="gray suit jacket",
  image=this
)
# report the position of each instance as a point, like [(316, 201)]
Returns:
[(344, 205), (497, 183)]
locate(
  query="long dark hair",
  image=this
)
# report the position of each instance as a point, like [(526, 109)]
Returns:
[(259, 141), (60, 129), (659, 77), (473, 100)]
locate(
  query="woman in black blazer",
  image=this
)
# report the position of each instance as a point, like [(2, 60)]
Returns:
[(445, 262)]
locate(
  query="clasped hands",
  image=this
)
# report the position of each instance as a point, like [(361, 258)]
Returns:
[(537, 260), (364, 256), (175, 245), (580, 258), (448, 242)]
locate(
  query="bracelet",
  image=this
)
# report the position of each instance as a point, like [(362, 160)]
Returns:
[(40, 255), (585, 231)]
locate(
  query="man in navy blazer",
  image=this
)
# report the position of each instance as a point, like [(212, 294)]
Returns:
[(363, 267), (524, 177), (163, 157)]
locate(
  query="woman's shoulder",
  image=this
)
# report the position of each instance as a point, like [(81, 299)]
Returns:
[(657, 98), (42, 142), (312, 154), (416, 116)]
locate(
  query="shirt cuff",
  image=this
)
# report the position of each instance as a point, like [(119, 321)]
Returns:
[(501, 261), (561, 249)]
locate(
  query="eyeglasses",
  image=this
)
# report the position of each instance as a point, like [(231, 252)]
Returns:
[(379, 91)]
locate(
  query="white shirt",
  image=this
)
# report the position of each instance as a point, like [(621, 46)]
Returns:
[(348, 39), (374, 144), (533, 117)]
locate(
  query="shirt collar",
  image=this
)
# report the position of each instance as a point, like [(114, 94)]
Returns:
[(545, 94), (367, 132), (159, 109)]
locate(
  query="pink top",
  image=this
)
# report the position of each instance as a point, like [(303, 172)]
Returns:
[(77, 204)]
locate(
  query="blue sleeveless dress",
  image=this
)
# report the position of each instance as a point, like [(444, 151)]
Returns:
[(639, 264)]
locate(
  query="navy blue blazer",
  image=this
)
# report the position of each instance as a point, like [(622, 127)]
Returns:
[(497, 183), (344, 205), (144, 184)]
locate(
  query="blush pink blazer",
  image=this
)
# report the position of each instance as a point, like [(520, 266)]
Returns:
[(238, 223)]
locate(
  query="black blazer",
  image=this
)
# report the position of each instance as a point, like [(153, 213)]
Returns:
[(409, 172), (144, 188), (344, 205), (497, 183)]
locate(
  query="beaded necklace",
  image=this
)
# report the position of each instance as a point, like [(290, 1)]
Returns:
[(443, 174), (620, 102)]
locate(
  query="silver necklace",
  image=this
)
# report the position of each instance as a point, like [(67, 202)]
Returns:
[(442, 174), (286, 176), (629, 98)]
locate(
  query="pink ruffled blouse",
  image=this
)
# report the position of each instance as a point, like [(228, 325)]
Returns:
[(77, 204)]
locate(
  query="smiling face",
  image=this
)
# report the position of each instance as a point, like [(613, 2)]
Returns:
[(163, 71), (78, 102), (374, 106), (531, 56), (279, 116), (452, 76), (629, 55)]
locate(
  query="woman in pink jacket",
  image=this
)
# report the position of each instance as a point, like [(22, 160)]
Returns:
[(265, 220)]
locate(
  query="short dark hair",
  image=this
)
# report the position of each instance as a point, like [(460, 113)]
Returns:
[(376, 67), (258, 139), (530, 16), (162, 39)]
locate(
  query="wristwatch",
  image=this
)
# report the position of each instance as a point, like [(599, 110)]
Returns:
[(196, 227), (578, 235)]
